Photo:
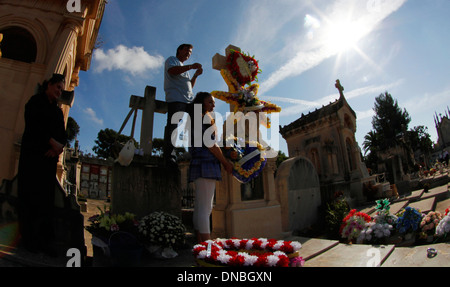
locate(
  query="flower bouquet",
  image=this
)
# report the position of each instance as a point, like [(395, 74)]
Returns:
[(353, 224), (428, 225), (247, 157), (380, 228), (408, 221), (256, 252), (443, 228), (161, 233)]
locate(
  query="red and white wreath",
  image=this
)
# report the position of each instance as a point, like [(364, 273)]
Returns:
[(249, 252)]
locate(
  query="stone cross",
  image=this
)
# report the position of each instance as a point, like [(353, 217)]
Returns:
[(219, 62), (149, 105), (339, 87)]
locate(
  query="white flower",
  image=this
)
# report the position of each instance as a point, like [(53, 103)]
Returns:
[(249, 259), (249, 244), (272, 260)]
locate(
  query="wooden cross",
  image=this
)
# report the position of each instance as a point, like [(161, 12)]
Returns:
[(149, 105), (339, 87)]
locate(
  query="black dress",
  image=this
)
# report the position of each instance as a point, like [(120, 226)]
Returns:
[(37, 173)]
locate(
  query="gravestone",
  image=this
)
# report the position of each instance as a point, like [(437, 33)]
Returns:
[(298, 190)]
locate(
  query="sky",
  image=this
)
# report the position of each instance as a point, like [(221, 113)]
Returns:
[(302, 47)]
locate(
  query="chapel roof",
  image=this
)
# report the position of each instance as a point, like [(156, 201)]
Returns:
[(327, 110)]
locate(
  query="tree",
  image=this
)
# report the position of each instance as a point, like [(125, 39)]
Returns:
[(371, 145), (420, 139), (390, 122), (105, 142), (72, 130), (281, 157)]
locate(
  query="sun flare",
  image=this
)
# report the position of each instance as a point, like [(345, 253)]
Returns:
[(343, 35)]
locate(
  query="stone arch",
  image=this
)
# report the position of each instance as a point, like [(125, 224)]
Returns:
[(35, 28), (18, 45)]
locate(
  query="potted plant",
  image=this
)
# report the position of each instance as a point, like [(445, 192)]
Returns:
[(116, 236)]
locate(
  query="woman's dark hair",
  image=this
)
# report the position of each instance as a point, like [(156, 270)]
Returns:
[(182, 46), (56, 78), (199, 99)]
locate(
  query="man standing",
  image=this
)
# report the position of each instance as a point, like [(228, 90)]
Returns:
[(178, 88)]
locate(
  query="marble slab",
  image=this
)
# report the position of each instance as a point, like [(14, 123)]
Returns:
[(352, 255), (424, 205), (417, 256), (312, 247)]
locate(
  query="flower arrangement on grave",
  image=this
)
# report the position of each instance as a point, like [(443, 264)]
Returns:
[(443, 228), (353, 224), (106, 223), (381, 226), (255, 252), (429, 223), (161, 231), (408, 220), (247, 158)]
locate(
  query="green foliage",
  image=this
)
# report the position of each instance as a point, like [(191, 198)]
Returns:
[(335, 212), (72, 130), (389, 122), (106, 143)]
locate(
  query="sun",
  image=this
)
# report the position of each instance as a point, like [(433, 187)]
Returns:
[(343, 35)]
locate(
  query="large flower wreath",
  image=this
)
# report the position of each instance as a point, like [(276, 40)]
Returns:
[(247, 157), (242, 70), (256, 252)]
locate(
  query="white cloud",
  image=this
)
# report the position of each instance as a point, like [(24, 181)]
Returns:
[(134, 60), (91, 114)]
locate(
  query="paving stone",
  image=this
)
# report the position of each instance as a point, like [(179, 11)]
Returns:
[(397, 206), (441, 206), (440, 193), (312, 247), (352, 255), (417, 256), (424, 205)]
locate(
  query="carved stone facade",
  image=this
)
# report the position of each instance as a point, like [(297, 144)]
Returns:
[(326, 137), (442, 123), (40, 38)]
